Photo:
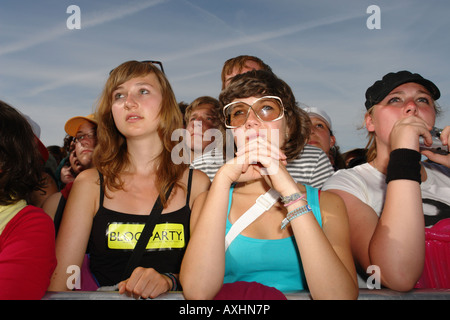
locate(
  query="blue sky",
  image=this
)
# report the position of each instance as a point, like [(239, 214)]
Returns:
[(323, 49)]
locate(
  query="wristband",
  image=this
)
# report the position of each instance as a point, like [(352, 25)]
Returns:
[(292, 198), (295, 214), (174, 281), (292, 202), (404, 164)]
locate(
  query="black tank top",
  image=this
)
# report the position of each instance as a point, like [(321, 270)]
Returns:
[(114, 235)]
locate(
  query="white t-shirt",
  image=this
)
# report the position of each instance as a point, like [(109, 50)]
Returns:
[(368, 184)]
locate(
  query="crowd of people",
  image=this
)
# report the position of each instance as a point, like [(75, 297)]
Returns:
[(266, 204)]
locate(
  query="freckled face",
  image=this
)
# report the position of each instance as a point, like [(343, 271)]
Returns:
[(273, 131), (136, 105), (409, 99)]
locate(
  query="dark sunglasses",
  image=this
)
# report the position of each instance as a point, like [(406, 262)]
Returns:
[(154, 62)]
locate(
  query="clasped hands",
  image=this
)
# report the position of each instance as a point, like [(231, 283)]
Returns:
[(258, 156)]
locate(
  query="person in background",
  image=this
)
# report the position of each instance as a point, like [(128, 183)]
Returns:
[(137, 113), (289, 247), (241, 64), (183, 105), (27, 237), (84, 133), (354, 157), (322, 136), (38, 197), (394, 196), (202, 114), (57, 152), (65, 173)]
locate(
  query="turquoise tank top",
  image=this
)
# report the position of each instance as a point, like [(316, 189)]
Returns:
[(274, 263)]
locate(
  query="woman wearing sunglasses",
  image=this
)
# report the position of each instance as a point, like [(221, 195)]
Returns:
[(301, 242)]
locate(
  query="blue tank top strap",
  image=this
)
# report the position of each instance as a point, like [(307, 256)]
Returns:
[(312, 196)]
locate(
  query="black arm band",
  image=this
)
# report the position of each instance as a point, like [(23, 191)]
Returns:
[(404, 164)]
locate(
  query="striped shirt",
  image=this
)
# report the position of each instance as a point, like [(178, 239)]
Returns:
[(312, 166)]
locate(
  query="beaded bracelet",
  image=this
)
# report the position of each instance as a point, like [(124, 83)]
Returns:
[(292, 198), (292, 202), (295, 214)]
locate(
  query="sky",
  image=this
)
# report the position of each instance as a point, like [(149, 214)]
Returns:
[(328, 51)]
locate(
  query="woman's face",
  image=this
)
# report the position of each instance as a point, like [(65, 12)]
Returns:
[(273, 131), (66, 174), (136, 104), (409, 99), (76, 166), (320, 136), (85, 142)]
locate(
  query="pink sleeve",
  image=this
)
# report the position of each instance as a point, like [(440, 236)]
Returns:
[(27, 255)]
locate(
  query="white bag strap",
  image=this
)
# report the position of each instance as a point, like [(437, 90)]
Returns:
[(263, 203)]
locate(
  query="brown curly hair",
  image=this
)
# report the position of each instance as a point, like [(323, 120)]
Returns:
[(21, 164), (259, 83)]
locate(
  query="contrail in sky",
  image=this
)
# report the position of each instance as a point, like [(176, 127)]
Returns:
[(88, 21)]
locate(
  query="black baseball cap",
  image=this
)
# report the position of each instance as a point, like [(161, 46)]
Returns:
[(381, 88)]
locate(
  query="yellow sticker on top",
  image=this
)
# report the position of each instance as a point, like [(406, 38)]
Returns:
[(124, 236)]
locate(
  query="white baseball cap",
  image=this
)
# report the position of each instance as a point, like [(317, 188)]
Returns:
[(313, 111)]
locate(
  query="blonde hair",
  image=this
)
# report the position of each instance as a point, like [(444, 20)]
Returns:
[(111, 156)]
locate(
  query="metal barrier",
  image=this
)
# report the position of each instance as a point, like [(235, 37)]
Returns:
[(364, 294)]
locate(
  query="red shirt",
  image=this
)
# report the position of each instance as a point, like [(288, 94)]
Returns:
[(27, 255)]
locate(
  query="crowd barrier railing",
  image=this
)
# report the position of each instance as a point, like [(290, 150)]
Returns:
[(364, 294)]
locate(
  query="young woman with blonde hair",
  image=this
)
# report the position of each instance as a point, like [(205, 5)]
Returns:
[(395, 195)]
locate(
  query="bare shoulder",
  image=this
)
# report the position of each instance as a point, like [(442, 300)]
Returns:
[(200, 183), (200, 176), (197, 207), (86, 188), (326, 197), (88, 176), (330, 198), (51, 204), (332, 206)]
